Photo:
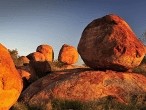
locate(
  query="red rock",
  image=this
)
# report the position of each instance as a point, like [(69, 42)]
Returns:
[(41, 68), (10, 80), (83, 85), (34, 70), (36, 56), (110, 43), (68, 54), (24, 60), (24, 74), (47, 51)]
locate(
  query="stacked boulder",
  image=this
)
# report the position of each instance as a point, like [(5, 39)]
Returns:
[(43, 53), (10, 80), (68, 55), (37, 65), (109, 43), (40, 59)]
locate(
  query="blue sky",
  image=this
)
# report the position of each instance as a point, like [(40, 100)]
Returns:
[(25, 24)]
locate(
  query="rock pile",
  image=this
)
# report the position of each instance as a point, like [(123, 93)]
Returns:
[(106, 43), (68, 54), (43, 53), (38, 65), (39, 61), (109, 43), (10, 80)]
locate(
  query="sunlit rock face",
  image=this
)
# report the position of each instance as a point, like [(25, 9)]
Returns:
[(36, 56), (10, 80), (47, 51), (68, 54), (24, 60), (110, 43), (84, 85)]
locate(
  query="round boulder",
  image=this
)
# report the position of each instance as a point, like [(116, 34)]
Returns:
[(68, 54), (10, 80), (109, 43), (36, 56), (24, 60), (47, 51)]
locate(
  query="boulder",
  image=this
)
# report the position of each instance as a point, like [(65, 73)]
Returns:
[(40, 68), (47, 51), (34, 70), (27, 72), (10, 80), (25, 75), (68, 54), (84, 85), (24, 60), (109, 43), (36, 56)]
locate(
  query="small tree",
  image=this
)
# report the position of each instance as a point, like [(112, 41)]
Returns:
[(15, 57)]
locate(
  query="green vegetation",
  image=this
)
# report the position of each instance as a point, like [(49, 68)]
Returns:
[(57, 65), (15, 57)]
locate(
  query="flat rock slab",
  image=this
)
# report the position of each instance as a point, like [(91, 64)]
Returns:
[(84, 85)]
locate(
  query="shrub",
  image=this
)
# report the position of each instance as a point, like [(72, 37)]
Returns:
[(15, 57), (56, 65)]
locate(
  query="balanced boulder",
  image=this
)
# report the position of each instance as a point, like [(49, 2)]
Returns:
[(109, 43), (10, 80), (68, 54), (47, 51), (36, 56)]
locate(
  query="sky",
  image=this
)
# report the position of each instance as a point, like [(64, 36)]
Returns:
[(26, 24)]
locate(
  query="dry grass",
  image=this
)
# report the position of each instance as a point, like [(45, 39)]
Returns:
[(135, 102)]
